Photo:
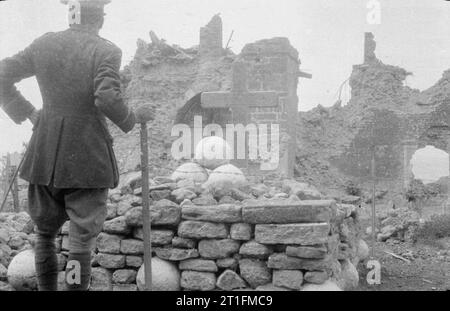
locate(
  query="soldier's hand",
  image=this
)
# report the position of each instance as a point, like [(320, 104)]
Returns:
[(34, 117), (144, 113)]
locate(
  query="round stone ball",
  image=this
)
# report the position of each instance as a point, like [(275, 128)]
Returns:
[(363, 250), (22, 272), (165, 276), (192, 171), (349, 277), (212, 152), (225, 176)]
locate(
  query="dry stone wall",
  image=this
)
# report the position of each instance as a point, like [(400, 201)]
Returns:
[(274, 241)]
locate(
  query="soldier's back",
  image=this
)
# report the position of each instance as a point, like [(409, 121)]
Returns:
[(65, 66)]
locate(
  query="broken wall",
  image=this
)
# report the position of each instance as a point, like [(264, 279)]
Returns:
[(336, 143)]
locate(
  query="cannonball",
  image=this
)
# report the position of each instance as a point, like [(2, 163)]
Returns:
[(363, 250), (328, 286), (192, 171), (22, 272), (349, 277), (165, 276), (225, 176), (212, 152)]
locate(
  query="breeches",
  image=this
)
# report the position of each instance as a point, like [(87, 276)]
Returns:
[(51, 207)]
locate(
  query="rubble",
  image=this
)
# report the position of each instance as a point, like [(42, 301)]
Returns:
[(334, 143)]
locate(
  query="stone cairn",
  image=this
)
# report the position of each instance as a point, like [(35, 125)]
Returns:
[(228, 235)]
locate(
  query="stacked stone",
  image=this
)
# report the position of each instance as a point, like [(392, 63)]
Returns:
[(120, 246), (252, 237)]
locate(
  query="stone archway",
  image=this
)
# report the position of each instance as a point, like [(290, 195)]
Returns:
[(429, 164)]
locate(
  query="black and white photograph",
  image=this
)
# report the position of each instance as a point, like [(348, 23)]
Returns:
[(226, 153)]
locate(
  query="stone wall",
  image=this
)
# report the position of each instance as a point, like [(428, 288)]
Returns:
[(254, 238), (406, 120)]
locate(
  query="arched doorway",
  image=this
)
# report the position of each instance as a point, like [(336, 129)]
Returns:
[(430, 168), (430, 164)]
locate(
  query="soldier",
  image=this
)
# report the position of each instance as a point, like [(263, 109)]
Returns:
[(70, 163)]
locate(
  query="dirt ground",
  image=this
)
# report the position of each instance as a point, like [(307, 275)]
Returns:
[(427, 267)]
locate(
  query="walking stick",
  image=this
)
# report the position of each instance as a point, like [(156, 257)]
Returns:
[(146, 208), (11, 184)]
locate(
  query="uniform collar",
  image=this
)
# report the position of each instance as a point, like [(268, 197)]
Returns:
[(84, 28)]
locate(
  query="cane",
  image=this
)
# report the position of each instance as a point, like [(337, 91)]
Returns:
[(146, 197), (16, 172)]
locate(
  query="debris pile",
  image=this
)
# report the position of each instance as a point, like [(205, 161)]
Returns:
[(397, 225)]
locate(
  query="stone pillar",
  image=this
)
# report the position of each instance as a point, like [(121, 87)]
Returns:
[(369, 48), (274, 66), (211, 38), (409, 148)]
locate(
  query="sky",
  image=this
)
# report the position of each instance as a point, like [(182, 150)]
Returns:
[(328, 34)]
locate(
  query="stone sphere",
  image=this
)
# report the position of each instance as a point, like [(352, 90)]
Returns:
[(22, 271), (363, 250), (165, 276), (211, 152), (349, 277), (328, 286), (192, 171), (225, 176)]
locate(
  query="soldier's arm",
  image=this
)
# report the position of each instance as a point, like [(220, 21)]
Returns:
[(13, 70), (108, 95)]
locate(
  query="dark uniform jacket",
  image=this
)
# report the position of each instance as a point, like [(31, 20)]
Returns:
[(78, 75)]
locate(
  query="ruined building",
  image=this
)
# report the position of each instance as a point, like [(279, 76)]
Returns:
[(260, 88), (384, 118)]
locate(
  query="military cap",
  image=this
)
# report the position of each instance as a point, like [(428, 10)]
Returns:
[(77, 8)]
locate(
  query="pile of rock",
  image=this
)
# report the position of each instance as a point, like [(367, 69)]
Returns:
[(398, 224), (15, 236), (246, 237), (215, 232)]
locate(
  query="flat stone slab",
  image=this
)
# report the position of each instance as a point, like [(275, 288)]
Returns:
[(201, 265), (198, 281), (287, 212), (241, 232), (281, 261), (163, 212), (301, 234), (291, 279), (158, 237), (110, 261), (225, 213), (132, 247), (200, 230), (176, 254), (107, 243), (307, 252), (218, 249), (254, 249)]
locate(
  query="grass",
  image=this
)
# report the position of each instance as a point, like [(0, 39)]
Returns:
[(438, 227)]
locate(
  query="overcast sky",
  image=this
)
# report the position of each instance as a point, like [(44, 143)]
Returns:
[(413, 34)]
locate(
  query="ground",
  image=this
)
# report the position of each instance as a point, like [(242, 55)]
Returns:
[(428, 269)]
